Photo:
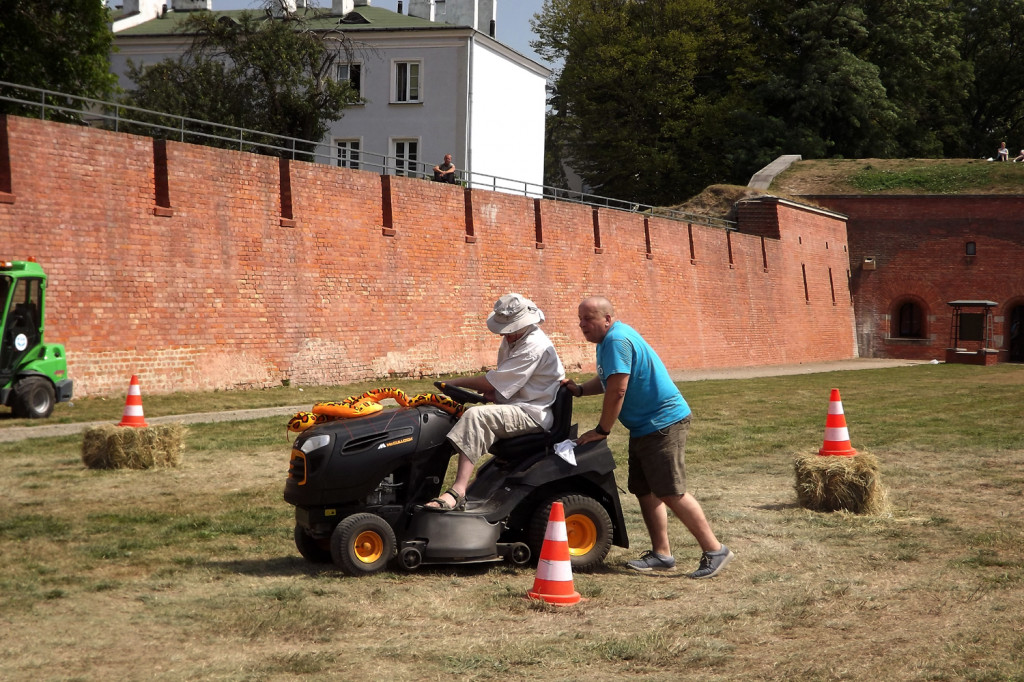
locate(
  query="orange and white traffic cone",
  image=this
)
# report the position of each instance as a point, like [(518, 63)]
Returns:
[(554, 569), (133, 406), (837, 436)]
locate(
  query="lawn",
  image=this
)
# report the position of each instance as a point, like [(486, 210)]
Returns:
[(191, 573)]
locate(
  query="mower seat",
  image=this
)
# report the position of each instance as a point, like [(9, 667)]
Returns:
[(514, 449)]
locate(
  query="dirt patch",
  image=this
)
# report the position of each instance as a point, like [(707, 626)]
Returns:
[(719, 201)]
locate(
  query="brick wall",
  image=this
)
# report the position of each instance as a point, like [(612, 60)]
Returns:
[(200, 268), (917, 249)]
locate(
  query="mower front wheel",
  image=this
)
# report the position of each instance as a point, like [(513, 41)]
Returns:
[(363, 544), (312, 549)]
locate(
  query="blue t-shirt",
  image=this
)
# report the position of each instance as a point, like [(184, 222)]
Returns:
[(652, 401)]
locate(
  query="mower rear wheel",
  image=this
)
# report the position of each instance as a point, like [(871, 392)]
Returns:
[(363, 544), (33, 398), (587, 526), (315, 550)]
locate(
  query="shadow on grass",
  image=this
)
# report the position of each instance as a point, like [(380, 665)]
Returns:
[(779, 506), (281, 566), (296, 566)]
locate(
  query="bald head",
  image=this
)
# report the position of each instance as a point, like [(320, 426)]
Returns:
[(596, 316), (599, 304)]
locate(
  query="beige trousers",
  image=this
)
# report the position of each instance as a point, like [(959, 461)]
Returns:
[(481, 425)]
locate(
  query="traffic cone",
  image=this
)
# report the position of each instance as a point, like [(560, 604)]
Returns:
[(133, 406), (837, 436), (554, 569)]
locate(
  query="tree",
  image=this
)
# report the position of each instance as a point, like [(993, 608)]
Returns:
[(860, 78), (656, 100), (992, 47), (60, 45), (265, 73), (651, 96)]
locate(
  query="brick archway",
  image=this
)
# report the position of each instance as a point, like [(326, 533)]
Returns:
[(908, 318), (1014, 330)]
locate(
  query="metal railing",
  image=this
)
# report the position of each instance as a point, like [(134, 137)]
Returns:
[(125, 118)]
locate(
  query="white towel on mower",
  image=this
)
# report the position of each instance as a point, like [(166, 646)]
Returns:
[(566, 450)]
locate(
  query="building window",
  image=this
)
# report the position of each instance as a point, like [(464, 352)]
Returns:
[(971, 249), (908, 322), (406, 153), (353, 73), (407, 82), (348, 153)]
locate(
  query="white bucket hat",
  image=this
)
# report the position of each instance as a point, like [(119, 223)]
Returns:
[(513, 312)]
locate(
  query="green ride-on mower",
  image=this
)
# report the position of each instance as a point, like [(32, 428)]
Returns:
[(359, 487), (33, 374)]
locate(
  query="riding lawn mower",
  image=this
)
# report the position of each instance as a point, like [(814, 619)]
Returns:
[(359, 487)]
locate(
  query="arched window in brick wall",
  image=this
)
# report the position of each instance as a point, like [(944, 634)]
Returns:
[(908, 321)]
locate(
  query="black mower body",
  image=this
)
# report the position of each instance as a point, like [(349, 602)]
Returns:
[(389, 464)]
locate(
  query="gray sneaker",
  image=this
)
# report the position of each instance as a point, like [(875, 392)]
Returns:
[(713, 562), (652, 561)]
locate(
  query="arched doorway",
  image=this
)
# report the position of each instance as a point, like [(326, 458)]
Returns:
[(907, 321), (1016, 334)]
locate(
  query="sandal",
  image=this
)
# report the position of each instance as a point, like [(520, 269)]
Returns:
[(444, 506)]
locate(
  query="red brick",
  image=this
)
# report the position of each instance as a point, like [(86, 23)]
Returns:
[(221, 295), (918, 247)]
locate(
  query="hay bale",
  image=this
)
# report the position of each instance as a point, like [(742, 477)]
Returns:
[(119, 447), (831, 483)]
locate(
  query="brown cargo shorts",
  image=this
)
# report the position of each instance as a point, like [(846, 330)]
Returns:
[(657, 461)]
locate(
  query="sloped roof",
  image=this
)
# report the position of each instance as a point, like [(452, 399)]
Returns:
[(362, 19)]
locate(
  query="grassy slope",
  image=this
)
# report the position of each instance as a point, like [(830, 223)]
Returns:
[(868, 176), (901, 176)]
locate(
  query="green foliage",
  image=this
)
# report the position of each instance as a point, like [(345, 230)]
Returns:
[(269, 74), (655, 101), (648, 98), (860, 79), (991, 45), (61, 45)]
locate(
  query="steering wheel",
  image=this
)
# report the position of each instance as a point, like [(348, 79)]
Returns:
[(459, 394)]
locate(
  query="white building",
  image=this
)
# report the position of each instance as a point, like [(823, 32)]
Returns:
[(435, 81)]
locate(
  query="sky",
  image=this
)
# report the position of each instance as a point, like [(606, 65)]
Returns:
[(512, 26)]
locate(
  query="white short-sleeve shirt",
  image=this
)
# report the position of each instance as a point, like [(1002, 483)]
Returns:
[(528, 375)]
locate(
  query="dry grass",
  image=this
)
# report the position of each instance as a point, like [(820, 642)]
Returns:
[(190, 572), (719, 201)]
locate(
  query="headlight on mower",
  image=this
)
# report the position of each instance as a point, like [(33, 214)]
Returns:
[(298, 466), (314, 443)]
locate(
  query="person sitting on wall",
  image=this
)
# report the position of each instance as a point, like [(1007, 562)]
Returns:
[(1002, 154), (445, 172)]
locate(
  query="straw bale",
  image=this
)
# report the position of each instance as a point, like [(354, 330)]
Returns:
[(119, 447), (833, 483)]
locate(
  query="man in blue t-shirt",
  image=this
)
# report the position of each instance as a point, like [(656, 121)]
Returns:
[(639, 392)]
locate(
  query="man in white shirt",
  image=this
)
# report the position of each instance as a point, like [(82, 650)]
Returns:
[(521, 390)]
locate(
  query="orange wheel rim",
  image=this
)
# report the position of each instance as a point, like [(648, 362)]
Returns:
[(582, 534), (368, 546)]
